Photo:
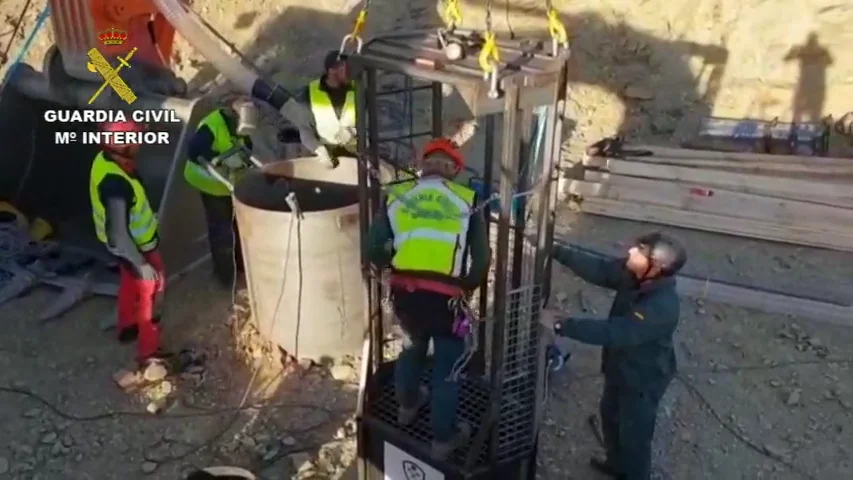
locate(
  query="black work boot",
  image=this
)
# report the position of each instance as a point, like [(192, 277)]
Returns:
[(442, 450), (407, 415), (604, 466), (223, 267), (128, 334)]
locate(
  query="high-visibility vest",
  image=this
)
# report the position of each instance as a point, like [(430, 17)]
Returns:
[(142, 221), (429, 219), (327, 121), (196, 174)]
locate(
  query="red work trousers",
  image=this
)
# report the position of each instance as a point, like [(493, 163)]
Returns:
[(138, 304)]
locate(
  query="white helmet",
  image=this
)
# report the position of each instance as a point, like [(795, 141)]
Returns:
[(221, 473)]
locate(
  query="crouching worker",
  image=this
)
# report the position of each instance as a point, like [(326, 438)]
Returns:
[(638, 360), (435, 245), (217, 135), (127, 225)]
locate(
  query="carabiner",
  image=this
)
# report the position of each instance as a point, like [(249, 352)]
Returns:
[(349, 38)]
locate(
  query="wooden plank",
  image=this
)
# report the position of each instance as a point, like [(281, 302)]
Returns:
[(697, 198), (755, 298), (832, 193), (686, 153), (759, 168), (603, 176), (643, 212)]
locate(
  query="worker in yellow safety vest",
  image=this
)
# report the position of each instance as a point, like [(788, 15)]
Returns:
[(126, 223), (216, 135), (433, 239), (331, 99)]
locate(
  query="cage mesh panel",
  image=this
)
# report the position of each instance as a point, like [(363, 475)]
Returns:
[(518, 389), (474, 397)]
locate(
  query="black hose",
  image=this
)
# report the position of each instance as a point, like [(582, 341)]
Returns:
[(272, 93)]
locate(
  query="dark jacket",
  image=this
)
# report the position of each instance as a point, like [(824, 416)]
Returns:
[(637, 335)]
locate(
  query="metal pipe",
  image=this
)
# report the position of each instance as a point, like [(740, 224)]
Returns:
[(397, 91), (367, 366), (551, 163), (437, 110), (410, 69), (364, 209), (478, 363), (373, 204), (520, 204), (509, 161), (514, 323), (404, 137)]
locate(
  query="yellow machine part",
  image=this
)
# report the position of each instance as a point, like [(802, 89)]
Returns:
[(8, 213)]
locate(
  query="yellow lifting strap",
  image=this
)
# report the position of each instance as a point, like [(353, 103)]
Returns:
[(359, 23), (489, 55), (452, 15), (556, 27)]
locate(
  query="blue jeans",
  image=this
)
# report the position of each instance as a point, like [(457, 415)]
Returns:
[(444, 395)]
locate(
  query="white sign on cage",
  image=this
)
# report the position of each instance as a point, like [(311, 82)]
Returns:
[(399, 465)]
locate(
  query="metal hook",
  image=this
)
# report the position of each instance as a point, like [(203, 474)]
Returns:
[(350, 37), (493, 77), (555, 46), (442, 41)]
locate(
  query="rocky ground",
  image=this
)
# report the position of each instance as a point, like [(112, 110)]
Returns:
[(760, 396)]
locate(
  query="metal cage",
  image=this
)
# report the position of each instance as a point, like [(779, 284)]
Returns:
[(501, 392)]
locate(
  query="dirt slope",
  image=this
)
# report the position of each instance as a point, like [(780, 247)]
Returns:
[(779, 389)]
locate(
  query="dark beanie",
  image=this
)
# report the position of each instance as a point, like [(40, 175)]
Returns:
[(333, 59)]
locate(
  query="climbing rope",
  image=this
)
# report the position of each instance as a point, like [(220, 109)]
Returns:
[(559, 37), (355, 34), (490, 57), (466, 326)]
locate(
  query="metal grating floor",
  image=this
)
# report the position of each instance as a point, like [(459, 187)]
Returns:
[(474, 397)]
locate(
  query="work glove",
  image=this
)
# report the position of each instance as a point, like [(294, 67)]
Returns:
[(325, 157), (558, 328), (147, 272), (234, 162), (555, 357), (345, 135)]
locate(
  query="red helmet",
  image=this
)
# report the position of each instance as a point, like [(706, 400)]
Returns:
[(125, 126), (447, 147)]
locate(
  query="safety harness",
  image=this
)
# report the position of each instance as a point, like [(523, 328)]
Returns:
[(466, 326)]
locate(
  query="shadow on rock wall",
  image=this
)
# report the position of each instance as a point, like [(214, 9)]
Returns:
[(650, 75)]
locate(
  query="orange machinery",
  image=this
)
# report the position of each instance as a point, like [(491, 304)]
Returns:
[(114, 27)]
